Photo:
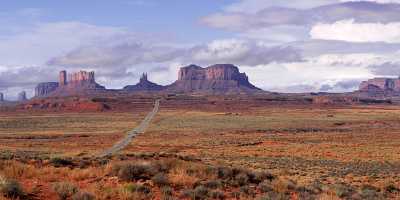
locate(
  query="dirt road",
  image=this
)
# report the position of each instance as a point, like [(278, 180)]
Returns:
[(131, 135)]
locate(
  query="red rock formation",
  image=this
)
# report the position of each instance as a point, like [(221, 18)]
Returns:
[(381, 87), (45, 89), (221, 78), (144, 85), (63, 78)]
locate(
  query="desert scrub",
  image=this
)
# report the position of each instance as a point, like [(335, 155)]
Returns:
[(60, 162), (64, 190), (83, 196), (137, 191), (133, 171), (11, 188), (160, 180)]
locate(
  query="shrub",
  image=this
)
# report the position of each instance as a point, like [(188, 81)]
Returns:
[(65, 190), (166, 193), (60, 162), (133, 172), (242, 179), (259, 177), (137, 188), (369, 192), (200, 192), (342, 190), (160, 180), (83, 196), (224, 173), (213, 184), (247, 190), (391, 188), (217, 194), (11, 188), (265, 186)]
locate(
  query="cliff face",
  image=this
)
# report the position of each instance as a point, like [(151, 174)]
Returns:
[(45, 89), (221, 78), (381, 87), (78, 83), (143, 86), (1, 97)]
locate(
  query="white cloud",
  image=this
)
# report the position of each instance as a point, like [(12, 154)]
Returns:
[(349, 30)]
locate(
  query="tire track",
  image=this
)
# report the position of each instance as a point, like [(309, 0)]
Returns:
[(131, 135)]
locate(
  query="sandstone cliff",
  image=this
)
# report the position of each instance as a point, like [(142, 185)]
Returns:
[(45, 89), (381, 87), (79, 83), (217, 79)]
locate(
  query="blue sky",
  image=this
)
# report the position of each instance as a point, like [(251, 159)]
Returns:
[(285, 46)]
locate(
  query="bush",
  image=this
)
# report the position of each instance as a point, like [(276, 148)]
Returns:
[(369, 192), (133, 172), (160, 180), (217, 195), (65, 190), (242, 179), (83, 196), (11, 188), (224, 173), (391, 188), (342, 190), (136, 188), (213, 184), (265, 187), (60, 162), (259, 177), (166, 192), (200, 192)]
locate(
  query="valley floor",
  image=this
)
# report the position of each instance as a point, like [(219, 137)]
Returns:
[(351, 152)]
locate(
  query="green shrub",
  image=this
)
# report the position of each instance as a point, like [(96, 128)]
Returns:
[(64, 190), (11, 188)]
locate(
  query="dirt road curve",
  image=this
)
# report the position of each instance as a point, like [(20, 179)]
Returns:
[(140, 129)]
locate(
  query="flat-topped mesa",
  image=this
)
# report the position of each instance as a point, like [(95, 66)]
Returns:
[(220, 78), (45, 89), (144, 85), (78, 83), (381, 86)]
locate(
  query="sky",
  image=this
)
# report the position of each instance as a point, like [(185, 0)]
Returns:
[(283, 46)]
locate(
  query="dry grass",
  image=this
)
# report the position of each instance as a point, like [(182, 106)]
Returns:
[(357, 146)]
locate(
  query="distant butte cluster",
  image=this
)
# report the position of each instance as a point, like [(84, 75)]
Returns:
[(216, 79), (381, 87)]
